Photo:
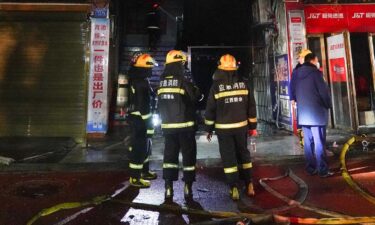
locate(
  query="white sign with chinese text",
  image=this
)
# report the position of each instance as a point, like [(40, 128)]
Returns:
[(296, 22), (97, 118)]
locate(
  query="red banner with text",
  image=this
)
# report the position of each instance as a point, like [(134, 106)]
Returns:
[(336, 18)]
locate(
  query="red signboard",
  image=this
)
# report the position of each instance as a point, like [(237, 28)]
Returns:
[(338, 70), (336, 18)]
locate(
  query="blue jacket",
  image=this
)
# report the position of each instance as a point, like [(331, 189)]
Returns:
[(311, 93)]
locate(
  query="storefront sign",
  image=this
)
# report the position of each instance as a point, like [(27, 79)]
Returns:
[(296, 34), (337, 58), (336, 18), (280, 92), (97, 120)]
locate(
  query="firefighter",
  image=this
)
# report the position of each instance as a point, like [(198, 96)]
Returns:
[(176, 103), (231, 112), (140, 120)]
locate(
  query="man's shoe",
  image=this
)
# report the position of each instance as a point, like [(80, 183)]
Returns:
[(234, 194), (312, 173), (250, 190), (149, 175), (328, 174), (139, 182), (168, 195), (188, 191)]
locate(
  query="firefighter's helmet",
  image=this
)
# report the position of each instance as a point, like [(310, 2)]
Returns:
[(145, 61), (227, 62), (176, 56)]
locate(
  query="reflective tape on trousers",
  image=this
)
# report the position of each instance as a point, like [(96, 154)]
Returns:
[(136, 166), (247, 166), (231, 169), (189, 168), (170, 166)]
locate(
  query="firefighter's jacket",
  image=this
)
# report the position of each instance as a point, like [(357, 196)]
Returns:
[(140, 96), (230, 105), (176, 100)]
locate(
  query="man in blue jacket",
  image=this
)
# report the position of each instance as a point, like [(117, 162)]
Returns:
[(313, 100)]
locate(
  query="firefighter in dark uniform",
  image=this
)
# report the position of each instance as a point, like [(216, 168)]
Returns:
[(140, 120), (231, 111), (176, 104)]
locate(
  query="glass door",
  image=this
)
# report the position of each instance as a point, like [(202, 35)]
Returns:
[(339, 76), (364, 76), (316, 43)]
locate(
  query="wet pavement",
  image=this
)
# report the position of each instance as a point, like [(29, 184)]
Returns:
[(26, 194), (82, 173)]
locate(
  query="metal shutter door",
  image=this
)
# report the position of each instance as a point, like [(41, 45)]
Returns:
[(43, 87)]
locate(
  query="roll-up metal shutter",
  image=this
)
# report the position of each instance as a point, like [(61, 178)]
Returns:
[(43, 75)]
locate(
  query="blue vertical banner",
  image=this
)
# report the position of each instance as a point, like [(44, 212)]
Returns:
[(282, 110)]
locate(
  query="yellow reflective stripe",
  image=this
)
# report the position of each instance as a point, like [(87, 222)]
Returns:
[(189, 168), (170, 166), (169, 77), (231, 125), (144, 117), (177, 125), (209, 122), (247, 166), (151, 131), (231, 169), (147, 116), (147, 160), (137, 113), (231, 93), (133, 90), (252, 120), (136, 166), (171, 90)]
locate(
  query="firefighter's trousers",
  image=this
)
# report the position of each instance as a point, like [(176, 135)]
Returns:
[(184, 141), (139, 146), (235, 157)]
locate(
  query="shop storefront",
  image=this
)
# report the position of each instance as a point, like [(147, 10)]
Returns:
[(342, 37), (43, 69)]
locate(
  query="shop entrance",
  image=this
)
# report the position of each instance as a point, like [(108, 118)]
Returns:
[(348, 64), (360, 44)]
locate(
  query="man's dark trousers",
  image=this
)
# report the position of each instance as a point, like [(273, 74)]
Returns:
[(314, 147)]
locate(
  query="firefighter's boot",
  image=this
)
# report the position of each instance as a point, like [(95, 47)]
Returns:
[(139, 182), (149, 175), (250, 189), (188, 191), (234, 194), (168, 195)]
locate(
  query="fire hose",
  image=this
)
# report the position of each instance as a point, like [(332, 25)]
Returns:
[(255, 218)]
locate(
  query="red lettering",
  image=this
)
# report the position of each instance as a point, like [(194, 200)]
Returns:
[(98, 59), (97, 104), (98, 68), (296, 19), (98, 76)]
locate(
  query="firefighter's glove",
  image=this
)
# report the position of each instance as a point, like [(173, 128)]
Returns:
[(252, 133)]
